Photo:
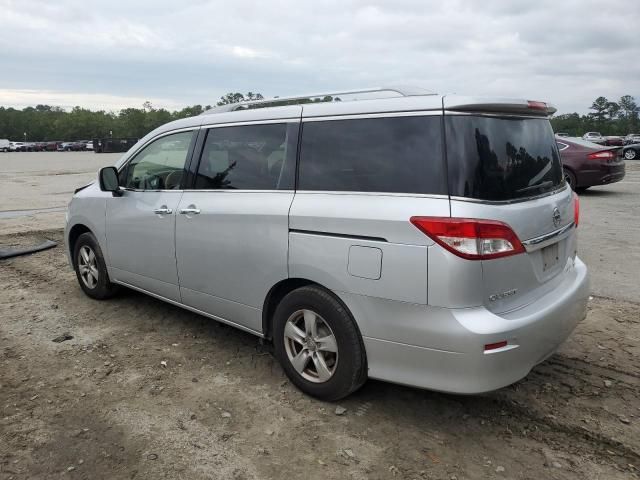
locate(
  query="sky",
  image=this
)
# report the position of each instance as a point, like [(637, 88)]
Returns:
[(117, 54)]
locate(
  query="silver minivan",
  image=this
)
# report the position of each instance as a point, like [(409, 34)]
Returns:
[(421, 239)]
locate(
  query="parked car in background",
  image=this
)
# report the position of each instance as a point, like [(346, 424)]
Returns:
[(562, 134), (631, 152), (17, 147), (5, 145), (586, 164), (594, 137), (320, 226), (67, 146), (632, 138), (113, 145), (613, 141), (89, 145)]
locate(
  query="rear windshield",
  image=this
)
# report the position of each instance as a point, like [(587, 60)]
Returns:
[(501, 158)]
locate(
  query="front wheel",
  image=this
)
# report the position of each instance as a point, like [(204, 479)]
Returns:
[(630, 154), (318, 344), (91, 269)]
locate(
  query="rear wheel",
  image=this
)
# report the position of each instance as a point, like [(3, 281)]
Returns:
[(318, 344), (91, 269), (630, 154), (570, 178)]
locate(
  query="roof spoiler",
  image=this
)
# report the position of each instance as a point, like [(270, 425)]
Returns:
[(460, 103)]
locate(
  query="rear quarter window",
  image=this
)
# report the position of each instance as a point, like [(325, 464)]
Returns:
[(501, 158), (391, 154)]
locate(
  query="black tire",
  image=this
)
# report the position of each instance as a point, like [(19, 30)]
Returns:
[(630, 154), (570, 178), (350, 368), (103, 288)]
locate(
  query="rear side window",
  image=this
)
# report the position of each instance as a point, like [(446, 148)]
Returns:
[(249, 157), (501, 158), (391, 154)]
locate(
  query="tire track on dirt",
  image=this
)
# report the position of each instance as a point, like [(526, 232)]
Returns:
[(551, 431)]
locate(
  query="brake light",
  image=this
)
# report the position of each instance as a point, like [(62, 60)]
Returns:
[(471, 238), (576, 209), (533, 105), (603, 155)]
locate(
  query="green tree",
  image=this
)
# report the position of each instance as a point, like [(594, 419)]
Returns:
[(600, 107), (236, 97), (613, 110), (629, 112)]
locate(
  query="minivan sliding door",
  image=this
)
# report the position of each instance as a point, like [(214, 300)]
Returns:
[(232, 226)]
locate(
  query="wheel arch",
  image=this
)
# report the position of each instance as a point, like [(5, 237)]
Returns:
[(573, 172), (284, 287), (74, 233)]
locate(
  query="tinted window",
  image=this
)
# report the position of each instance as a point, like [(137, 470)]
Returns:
[(160, 165), (250, 157), (394, 154), (494, 158)]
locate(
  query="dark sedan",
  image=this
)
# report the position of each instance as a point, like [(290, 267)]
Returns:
[(586, 164)]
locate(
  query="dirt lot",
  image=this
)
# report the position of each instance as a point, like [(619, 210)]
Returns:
[(101, 405)]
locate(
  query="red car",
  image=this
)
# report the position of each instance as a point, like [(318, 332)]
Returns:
[(586, 164), (614, 141)]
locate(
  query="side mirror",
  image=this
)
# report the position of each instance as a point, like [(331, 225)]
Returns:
[(108, 177)]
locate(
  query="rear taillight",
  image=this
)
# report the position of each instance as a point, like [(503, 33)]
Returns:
[(471, 238), (576, 209), (603, 155), (533, 105)]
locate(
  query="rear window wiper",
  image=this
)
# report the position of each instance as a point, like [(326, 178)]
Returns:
[(546, 184)]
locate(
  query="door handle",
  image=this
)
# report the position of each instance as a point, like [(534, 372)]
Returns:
[(190, 210), (163, 210)]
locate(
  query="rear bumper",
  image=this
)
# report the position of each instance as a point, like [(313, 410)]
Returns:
[(604, 174), (461, 365)]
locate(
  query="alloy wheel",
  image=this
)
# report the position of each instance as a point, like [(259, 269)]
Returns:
[(88, 267), (630, 154), (311, 346)]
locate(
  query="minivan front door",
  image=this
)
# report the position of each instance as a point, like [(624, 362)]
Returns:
[(140, 223), (232, 228)]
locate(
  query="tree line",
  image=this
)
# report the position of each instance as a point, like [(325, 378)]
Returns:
[(607, 117), (46, 122)]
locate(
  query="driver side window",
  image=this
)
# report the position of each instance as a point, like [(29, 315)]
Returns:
[(160, 165)]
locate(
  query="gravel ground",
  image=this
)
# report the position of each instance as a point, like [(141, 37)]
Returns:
[(102, 405)]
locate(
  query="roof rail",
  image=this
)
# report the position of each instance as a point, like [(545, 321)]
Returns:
[(403, 91)]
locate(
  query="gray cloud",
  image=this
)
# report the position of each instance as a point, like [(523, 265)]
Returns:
[(194, 51)]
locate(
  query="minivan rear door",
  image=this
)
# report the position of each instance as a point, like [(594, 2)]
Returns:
[(505, 166)]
